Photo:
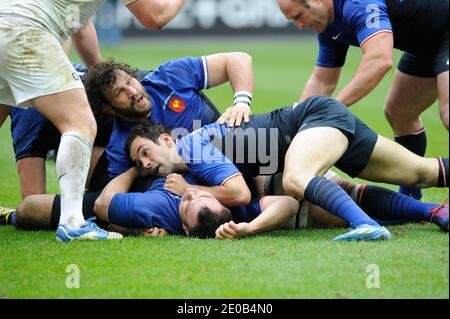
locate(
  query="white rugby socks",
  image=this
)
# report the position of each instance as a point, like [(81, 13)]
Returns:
[(72, 164)]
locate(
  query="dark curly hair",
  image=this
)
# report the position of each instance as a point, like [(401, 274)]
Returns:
[(100, 78)]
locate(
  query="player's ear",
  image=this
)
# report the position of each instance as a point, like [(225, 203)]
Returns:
[(167, 139)]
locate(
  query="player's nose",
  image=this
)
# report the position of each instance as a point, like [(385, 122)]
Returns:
[(146, 163), (132, 91)]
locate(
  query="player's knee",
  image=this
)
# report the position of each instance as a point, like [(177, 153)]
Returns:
[(25, 212), (90, 129), (294, 185)]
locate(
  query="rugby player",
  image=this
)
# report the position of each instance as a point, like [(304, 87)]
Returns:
[(419, 28), (170, 95), (34, 71), (303, 141), (159, 212)]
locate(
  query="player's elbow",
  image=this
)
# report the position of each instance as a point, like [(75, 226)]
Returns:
[(152, 22), (101, 206), (384, 64), (243, 57), (243, 197)]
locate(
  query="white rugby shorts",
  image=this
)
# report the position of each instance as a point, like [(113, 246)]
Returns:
[(32, 64)]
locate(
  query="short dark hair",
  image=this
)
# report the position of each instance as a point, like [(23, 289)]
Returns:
[(208, 221), (100, 78), (151, 131)]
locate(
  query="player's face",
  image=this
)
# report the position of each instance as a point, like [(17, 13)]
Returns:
[(192, 202), (128, 97), (316, 17), (152, 158)]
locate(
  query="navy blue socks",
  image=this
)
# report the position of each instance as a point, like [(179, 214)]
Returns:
[(331, 197), (416, 143)]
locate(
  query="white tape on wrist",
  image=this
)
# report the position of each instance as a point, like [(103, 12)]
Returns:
[(243, 97)]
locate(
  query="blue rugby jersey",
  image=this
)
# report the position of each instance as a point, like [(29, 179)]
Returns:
[(159, 207), (418, 27), (174, 89)]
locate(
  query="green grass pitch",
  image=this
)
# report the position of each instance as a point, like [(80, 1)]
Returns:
[(280, 264)]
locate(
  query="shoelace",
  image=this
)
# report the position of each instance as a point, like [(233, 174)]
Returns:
[(436, 211)]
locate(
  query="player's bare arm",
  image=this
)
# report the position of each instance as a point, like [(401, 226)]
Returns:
[(232, 193), (155, 14), (323, 81), (375, 63), (120, 184), (86, 44), (276, 212), (237, 68)]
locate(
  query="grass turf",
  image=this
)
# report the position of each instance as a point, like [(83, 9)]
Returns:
[(280, 264)]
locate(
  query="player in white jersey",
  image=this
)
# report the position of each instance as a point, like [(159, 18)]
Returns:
[(34, 71)]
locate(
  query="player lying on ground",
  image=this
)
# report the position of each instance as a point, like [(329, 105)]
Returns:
[(304, 141), (158, 211)]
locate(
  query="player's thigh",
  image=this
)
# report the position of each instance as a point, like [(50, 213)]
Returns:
[(408, 97), (31, 175), (442, 81), (68, 111), (392, 163), (312, 152)]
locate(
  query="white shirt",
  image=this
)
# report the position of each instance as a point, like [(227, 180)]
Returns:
[(59, 17)]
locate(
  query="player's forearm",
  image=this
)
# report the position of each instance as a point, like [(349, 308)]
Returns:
[(274, 216), (369, 73), (316, 87), (86, 44), (322, 82), (120, 184), (239, 71), (228, 197)]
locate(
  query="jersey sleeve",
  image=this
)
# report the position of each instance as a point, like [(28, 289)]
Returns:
[(188, 73), (367, 18), (331, 53), (118, 161), (205, 160)]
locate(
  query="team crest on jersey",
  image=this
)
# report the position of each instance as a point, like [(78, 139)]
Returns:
[(177, 105)]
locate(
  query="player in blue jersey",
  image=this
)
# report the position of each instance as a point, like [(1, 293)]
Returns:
[(170, 95), (303, 140), (419, 28), (158, 211)]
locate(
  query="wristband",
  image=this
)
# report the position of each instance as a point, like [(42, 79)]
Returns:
[(243, 97)]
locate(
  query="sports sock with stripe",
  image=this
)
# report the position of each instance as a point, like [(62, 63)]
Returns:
[(331, 197), (387, 205), (416, 143)]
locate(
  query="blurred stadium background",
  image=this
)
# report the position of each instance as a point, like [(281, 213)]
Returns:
[(281, 264)]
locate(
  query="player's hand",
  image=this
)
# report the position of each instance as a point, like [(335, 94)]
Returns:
[(153, 232), (176, 184), (231, 230), (235, 114)]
